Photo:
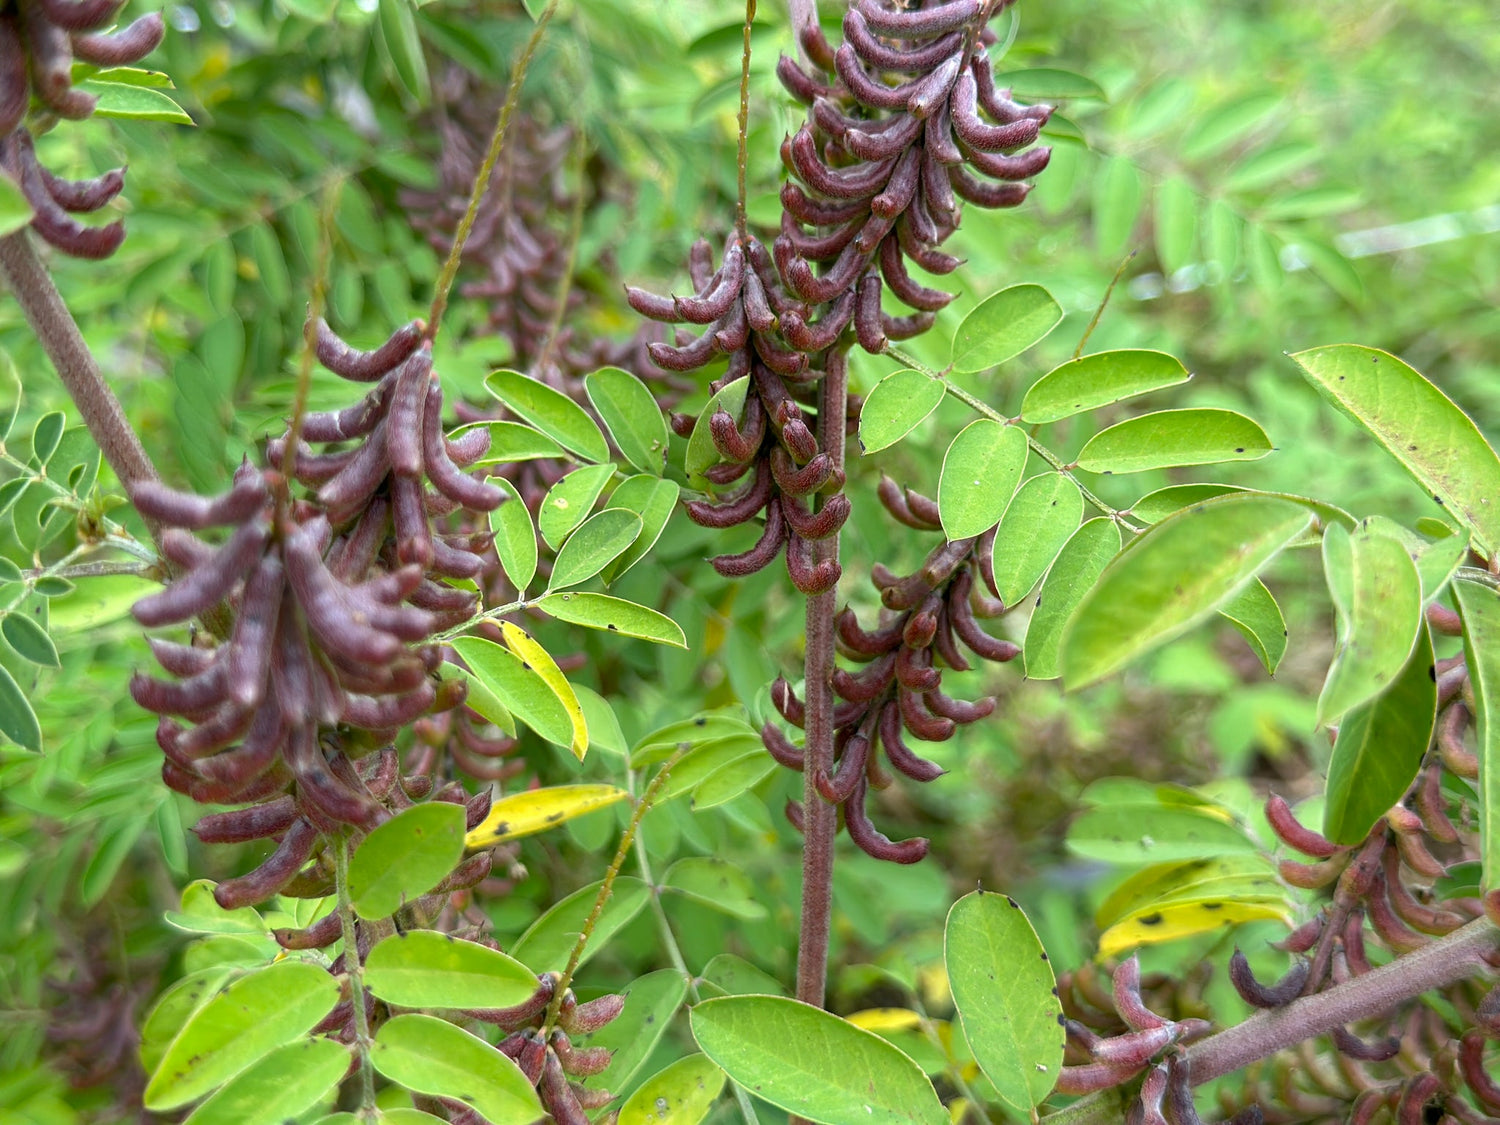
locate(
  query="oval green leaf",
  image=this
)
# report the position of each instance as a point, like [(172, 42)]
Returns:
[(398, 31), (430, 1056), (980, 472), (614, 615), (550, 411), (1479, 605), (18, 721), (1134, 833), (282, 1086), (602, 538), (631, 415), (1419, 425), (1379, 749), (682, 1094), (519, 689), (1195, 436), (717, 884), (516, 441), (1038, 521), (1118, 192), (898, 404), (569, 501), (406, 857), (515, 537), (650, 1003), (654, 500), (121, 99), (29, 639), (701, 452), (1176, 207), (547, 944), (1092, 381), (1254, 612), (1004, 325), (242, 1024), (427, 969), (1006, 996), (814, 1064), (1077, 567)]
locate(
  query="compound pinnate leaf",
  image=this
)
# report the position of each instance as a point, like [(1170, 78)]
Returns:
[(433, 1057), (1172, 577), (1254, 612), (1004, 325), (547, 944), (536, 810), (980, 472), (1037, 522), (1072, 574), (1379, 748), (515, 536), (631, 415), (1092, 381), (286, 1083), (1479, 605), (614, 615), (1006, 996), (519, 689), (1435, 441), (406, 857), (601, 539), (242, 1024), (1166, 438), (427, 969), (814, 1064), (1378, 595), (538, 660), (896, 406), (550, 411), (682, 1094)]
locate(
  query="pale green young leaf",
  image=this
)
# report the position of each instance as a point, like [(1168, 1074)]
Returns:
[(1254, 612), (518, 441), (138, 103), (896, 405), (279, 1088), (515, 537), (547, 944), (1133, 833), (654, 500), (405, 858)]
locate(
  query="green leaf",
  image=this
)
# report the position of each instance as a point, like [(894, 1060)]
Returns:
[(282, 1086), (1131, 833), (728, 781), (29, 639), (1006, 996), (1437, 560), (1036, 524), (812, 1063), (980, 472), (538, 660), (1172, 577), (199, 913), (717, 883), (1048, 82), (120, 99), (15, 211), (663, 742), (602, 538), (550, 411), (1156, 506), (702, 760), (569, 501), (735, 976), (701, 451), (1379, 749), (547, 944), (896, 405), (17, 720), (174, 1008), (515, 537), (682, 1094), (631, 415), (516, 441), (1378, 594), (603, 725), (1118, 191), (1254, 612), (1435, 441), (1270, 164), (405, 858), (1195, 436), (1176, 223), (519, 689), (428, 969), (1092, 381), (650, 1003), (1004, 325), (398, 31), (1479, 605), (45, 435), (430, 1056), (242, 1024), (654, 500), (1218, 130), (269, 262), (1072, 575), (614, 615)]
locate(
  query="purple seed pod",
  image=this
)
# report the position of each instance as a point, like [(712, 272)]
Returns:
[(1258, 995)]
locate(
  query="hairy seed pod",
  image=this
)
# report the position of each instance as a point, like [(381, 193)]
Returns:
[(914, 669), (958, 710), (898, 753), (1126, 993), (278, 869), (1411, 1108), (1395, 933), (253, 757), (816, 525), (365, 367), (14, 91), (810, 578), (196, 695), (1476, 1075), (1311, 876), (130, 44), (1293, 834), (581, 1061), (557, 1096), (320, 935), (1303, 938), (242, 825), (961, 614), (870, 683), (523, 1014), (83, 195), (739, 507), (849, 772), (1356, 1048), (207, 585), (766, 548), (871, 840), (1091, 1077), (878, 54), (892, 498), (440, 470), (1258, 995), (920, 721), (317, 784), (786, 702), (585, 1018)]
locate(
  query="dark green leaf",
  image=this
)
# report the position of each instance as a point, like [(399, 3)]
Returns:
[(29, 639), (405, 858), (17, 719)]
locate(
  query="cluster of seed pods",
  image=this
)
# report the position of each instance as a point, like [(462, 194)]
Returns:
[(39, 42), (898, 690)]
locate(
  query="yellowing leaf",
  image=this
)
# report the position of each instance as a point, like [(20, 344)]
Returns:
[(535, 657), (885, 1019), (1185, 920), (536, 810)]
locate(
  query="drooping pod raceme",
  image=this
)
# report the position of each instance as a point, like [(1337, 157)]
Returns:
[(39, 42)]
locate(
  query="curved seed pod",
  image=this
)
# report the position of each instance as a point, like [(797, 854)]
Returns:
[(937, 194), (997, 103), (938, 136), (1009, 169), (914, 669), (83, 195), (652, 306), (312, 468), (348, 492), (196, 694), (320, 935), (254, 823), (1433, 806), (816, 525), (78, 15), (452, 561), (810, 578), (205, 586), (946, 646), (944, 560), (896, 504), (719, 295), (736, 444), (1471, 1063), (785, 700), (870, 683), (248, 890), (414, 543), (1258, 995), (882, 56), (757, 305), (585, 1018), (871, 840), (1126, 992), (351, 422), (922, 507), (893, 269), (766, 548), (224, 726), (444, 475), (961, 614), (732, 331), (984, 194), (189, 784), (818, 247), (1293, 834), (1356, 1048), (861, 645), (1090, 1077), (1415, 855), (1134, 1049), (792, 810), (958, 710), (700, 264), (181, 660), (979, 135), (404, 423), (895, 140), (252, 757), (15, 93), (322, 599), (800, 482), (931, 260), (249, 653), (738, 508), (443, 599), (896, 592), (523, 1014), (1443, 620), (920, 721), (1450, 742), (819, 212), (898, 753), (1303, 938), (471, 872), (1424, 918), (469, 446), (384, 712), (1311, 876), (907, 24), (317, 785), (688, 358), (868, 90), (726, 472), (49, 220), (557, 1096), (932, 91), (800, 153), (868, 329), (130, 44), (853, 755), (365, 367), (582, 1061), (800, 84), (801, 280), (1395, 933), (905, 327), (1411, 1109)]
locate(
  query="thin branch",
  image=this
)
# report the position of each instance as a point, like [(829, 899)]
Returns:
[(314, 314), (354, 969), (1103, 303), (741, 225)]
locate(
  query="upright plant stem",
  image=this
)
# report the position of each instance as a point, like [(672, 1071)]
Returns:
[(354, 969), (741, 227), (819, 818), (27, 278)]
